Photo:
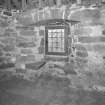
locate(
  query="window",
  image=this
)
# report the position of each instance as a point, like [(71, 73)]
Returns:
[(56, 40), (56, 43)]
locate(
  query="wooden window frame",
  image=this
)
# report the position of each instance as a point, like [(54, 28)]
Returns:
[(65, 53)]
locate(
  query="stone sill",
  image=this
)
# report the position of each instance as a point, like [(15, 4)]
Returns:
[(56, 58)]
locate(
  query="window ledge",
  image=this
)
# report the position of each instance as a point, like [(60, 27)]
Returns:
[(56, 58)]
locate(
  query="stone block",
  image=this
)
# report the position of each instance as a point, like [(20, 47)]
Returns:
[(99, 48), (95, 30), (26, 44), (8, 54), (81, 60), (27, 33), (41, 50), (35, 50), (26, 51), (1, 35), (19, 70), (67, 12), (104, 57), (103, 32), (20, 66), (9, 30), (2, 32), (69, 41), (69, 68), (56, 58), (47, 13), (1, 52), (41, 15), (84, 31), (80, 47), (35, 66), (42, 42), (9, 48), (25, 59), (56, 13), (24, 27), (95, 58), (41, 32), (6, 65), (61, 13), (39, 57), (1, 45), (90, 16), (2, 17), (35, 15), (3, 23), (10, 34), (21, 39), (25, 19), (2, 59), (84, 47), (8, 40), (81, 54), (91, 39)]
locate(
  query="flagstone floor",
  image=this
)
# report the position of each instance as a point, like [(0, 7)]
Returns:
[(46, 91)]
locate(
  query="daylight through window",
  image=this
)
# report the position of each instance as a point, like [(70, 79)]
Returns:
[(56, 40)]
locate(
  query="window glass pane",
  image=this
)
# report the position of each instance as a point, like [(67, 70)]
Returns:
[(62, 30), (56, 40), (49, 34), (49, 30), (58, 30), (54, 35), (58, 34), (54, 30)]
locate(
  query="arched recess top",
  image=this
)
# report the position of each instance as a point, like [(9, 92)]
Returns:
[(54, 22)]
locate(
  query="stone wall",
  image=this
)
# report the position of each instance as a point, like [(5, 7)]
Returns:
[(30, 38), (29, 44), (25, 41), (91, 46), (8, 36), (90, 42)]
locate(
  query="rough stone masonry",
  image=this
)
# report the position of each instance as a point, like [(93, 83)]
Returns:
[(25, 43)]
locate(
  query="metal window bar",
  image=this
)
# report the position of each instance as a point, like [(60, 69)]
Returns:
[(56, 41)]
